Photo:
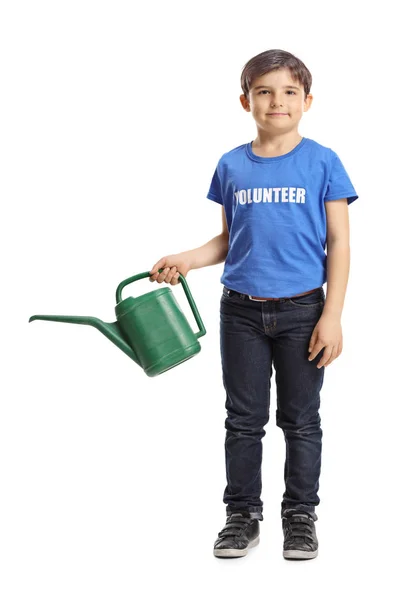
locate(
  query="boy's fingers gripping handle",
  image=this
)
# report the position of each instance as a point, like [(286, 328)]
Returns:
[(157, 269)]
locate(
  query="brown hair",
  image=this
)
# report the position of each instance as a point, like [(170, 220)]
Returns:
[(272, 60)]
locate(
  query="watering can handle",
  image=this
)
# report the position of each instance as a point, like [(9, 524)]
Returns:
[(202, 330)]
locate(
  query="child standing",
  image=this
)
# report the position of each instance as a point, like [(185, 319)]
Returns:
[(278, 219)]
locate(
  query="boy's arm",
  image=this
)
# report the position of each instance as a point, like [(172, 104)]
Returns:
[(225, 230), (338, 256), (213, 252)]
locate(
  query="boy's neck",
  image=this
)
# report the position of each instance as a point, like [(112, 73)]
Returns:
[(269, 145)]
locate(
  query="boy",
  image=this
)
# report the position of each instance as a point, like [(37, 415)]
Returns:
[(278, 218)]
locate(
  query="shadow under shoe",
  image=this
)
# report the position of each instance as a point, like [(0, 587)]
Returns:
[(300, 538), (240, 533)]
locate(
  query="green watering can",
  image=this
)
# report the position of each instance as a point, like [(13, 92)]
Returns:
[(151, 329)]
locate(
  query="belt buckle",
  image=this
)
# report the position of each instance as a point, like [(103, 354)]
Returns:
[(255, 299)]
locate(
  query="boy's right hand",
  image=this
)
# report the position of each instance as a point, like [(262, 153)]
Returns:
[(172, 265)]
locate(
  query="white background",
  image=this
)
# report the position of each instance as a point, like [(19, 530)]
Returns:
[(113, 117)]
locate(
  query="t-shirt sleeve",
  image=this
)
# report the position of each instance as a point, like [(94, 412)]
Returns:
[(215, 191), (339, 185)]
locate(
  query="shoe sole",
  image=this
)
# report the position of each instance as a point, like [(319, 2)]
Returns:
[(234, 552), (299, 554)]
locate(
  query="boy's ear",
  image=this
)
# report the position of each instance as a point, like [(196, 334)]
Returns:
[(245, 103), (308, 102)]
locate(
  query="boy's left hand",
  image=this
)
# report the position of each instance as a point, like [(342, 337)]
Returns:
[(327, 334)]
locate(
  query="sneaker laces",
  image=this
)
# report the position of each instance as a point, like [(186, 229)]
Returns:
[(298, 528)]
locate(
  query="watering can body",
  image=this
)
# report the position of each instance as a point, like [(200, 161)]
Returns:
[(151, 329), (157, 329)]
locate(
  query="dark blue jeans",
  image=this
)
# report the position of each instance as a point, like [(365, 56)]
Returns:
[(253, 337)]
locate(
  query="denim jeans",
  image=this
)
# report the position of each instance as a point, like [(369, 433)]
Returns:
[(254, 336)]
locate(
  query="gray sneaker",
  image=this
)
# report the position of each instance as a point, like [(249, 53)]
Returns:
[(240, 533), (300, 539)]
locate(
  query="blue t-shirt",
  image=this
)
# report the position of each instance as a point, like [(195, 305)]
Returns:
[(276, 218)]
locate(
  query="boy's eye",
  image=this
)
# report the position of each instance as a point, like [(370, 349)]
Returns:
[(288, 92)]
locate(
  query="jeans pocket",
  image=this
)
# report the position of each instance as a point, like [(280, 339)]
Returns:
[(225, 292), (313, 300), (230, 294), (231, 299)]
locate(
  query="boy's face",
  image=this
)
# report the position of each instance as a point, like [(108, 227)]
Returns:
[(275, 97)]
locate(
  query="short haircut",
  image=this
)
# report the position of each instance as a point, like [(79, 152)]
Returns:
[(273, 60)]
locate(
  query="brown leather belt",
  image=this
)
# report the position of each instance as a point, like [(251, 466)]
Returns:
[(296, 296)]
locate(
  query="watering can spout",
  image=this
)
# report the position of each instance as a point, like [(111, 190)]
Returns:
[(112, 331)]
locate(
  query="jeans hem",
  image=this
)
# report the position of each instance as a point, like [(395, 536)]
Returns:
[(255, 512), (300, 508)]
